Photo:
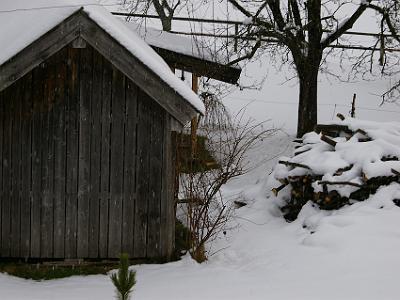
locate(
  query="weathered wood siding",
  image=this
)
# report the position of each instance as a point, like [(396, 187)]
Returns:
[(86, 161)]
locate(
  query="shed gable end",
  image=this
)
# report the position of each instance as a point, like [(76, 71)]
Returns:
[(77, 179), (79, 25)]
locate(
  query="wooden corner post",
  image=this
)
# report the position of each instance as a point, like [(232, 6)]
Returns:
[(194, 122)]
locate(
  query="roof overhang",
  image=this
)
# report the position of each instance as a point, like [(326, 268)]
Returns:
[(199, 66)]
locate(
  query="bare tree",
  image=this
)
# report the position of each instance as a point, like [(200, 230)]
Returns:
[(305, 30), (391, 9), (164, 9)]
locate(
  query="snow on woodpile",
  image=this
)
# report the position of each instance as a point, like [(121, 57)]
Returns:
[(339, 163)]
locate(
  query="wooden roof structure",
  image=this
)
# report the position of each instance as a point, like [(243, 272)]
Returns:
[(81, 25), (183, 53)]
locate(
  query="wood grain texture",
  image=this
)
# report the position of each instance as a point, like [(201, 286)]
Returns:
[(86, 62), (59, 113), (5, 209), (95, 149), (15, 231), (37, 100), (2, 118), (46, 225), (131, 119), (86, 163), (26, 165), (142, 176), (116, 164), (105, 159), (72, 147), (155, 183)]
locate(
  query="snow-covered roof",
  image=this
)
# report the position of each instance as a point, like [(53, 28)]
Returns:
[(22, 22), (188, 54), (176, 43)]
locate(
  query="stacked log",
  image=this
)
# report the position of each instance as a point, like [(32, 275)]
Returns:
[(329, 187)]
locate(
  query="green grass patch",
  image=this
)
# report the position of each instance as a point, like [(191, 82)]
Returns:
[(61, 269), (48, 272)]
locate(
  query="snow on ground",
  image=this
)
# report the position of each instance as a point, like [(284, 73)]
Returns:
[(349, 254)]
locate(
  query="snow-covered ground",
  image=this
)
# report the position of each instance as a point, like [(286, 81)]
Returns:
[(349, 254)]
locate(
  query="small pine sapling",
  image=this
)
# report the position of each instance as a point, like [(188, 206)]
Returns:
[(124, 279)]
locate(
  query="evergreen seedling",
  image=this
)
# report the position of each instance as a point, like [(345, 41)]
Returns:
[(124, 279)]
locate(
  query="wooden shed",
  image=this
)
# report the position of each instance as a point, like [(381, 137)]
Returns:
[(86, 152)]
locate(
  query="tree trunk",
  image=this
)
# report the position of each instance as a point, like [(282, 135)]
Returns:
[(166, 23), (308, 99)]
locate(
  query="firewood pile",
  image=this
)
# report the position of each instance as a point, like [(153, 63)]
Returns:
[(339, 164)]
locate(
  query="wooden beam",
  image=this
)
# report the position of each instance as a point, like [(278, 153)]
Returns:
[(79, 43), (328, 140), (294, 165), (200, 66)]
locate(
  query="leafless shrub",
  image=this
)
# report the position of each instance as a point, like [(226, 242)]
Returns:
[(228, 140)]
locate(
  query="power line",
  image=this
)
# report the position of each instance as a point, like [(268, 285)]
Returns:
[(52, 7), (320, 104), (272, 40), (229, 22)]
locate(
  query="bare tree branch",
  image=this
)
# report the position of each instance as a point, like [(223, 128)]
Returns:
[(348, 24)]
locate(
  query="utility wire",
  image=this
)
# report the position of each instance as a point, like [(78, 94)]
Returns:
[(320, 104), (59, 6)]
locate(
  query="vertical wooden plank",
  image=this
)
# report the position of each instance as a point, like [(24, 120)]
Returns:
[(105, 159), (60, 153), (46, 227), (2, 117), (95, 148), (128, 218), (142, 176), (167, 191), (171, 203), (26, 118), (86, 62), (6, 205), (15, 171), (116, 164), (72, 134), (155, 183), (36, 162)]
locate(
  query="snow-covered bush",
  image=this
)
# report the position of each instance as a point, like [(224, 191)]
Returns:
[(338, 164)]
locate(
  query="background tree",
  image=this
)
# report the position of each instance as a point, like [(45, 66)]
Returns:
[(392, 9), (164, 9), (305, 30)]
